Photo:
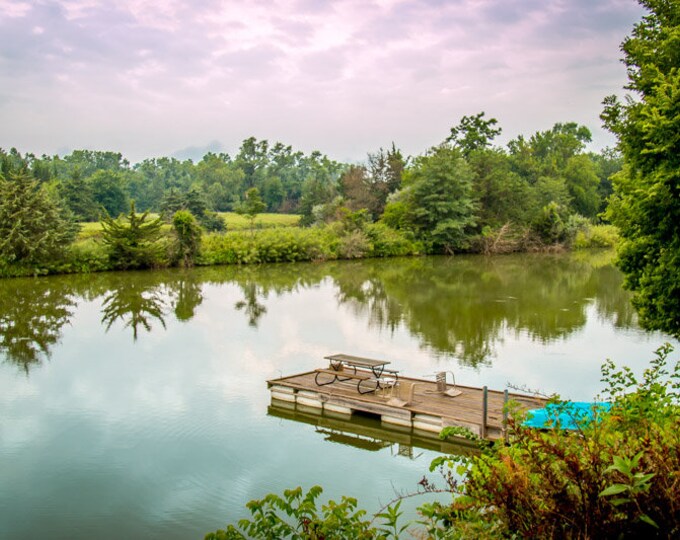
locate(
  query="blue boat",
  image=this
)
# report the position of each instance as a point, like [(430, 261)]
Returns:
[(568, 415)]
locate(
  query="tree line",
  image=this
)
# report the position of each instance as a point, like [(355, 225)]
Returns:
[(457, 194)]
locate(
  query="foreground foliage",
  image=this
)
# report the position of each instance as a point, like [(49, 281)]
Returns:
[(615, 476)]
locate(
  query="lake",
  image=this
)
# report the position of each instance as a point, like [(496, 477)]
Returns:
[(135, 405)]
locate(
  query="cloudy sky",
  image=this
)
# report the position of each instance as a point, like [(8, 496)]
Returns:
[(159, 77)]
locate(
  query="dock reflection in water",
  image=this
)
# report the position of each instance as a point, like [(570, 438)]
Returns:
[(367, 432)]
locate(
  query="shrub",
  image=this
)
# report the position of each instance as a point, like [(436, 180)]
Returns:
[(353, 245), (596, 236), (188, 236), (269, 245), (388, 242)]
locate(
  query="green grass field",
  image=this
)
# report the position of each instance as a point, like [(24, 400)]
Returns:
[(233, 221), (236, 221)]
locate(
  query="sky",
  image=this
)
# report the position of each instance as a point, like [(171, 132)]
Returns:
[(153, 78)]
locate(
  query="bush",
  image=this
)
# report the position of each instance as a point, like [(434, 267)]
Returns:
[(188, 237), (268, 245), (295, 244), (596, 236), (353, 245), (388, 242), (86, 256)]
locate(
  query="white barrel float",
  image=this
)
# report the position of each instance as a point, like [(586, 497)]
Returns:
[(337, 409), (283, 393), (396, 420), (427, 422), (310, 399)]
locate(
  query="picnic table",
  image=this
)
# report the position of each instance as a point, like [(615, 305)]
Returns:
[(343, 367)]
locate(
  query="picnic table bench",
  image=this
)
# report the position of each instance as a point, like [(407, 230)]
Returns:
[(343, 367)]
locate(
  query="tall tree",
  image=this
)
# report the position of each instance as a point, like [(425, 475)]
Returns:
[(34, 228), (77, 195), (440, 199), (474, 133), (108, 191), (646, 201)]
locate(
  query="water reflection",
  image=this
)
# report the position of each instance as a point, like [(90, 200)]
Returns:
[(463, 306), (135, 305), (187, 294), (32, 314), (460, 306), (250, 305), (368, 433)]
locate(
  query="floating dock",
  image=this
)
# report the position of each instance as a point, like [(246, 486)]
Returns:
[(426, 409)]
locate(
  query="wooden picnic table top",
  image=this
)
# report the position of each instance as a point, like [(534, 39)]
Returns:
[(355, 360)]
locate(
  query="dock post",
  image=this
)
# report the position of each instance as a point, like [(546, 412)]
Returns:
[(485, 410), (505, 415)]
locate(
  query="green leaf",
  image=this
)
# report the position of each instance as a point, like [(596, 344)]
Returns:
[(648, 520), (614, 489)]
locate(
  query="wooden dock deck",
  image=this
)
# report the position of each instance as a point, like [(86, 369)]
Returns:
[(428, 410)]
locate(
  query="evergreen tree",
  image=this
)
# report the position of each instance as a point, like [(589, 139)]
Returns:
[(132, 240), (34, 228)]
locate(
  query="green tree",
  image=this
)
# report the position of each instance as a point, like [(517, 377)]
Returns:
[(580, 175), (107, 191), (77, 194), (188, 235), (172, 202), (221, 180), (502, 194), (132, 240), (34, 228), (646, 201), (473, 133), (251, 206), (608, 162), (440, 199)]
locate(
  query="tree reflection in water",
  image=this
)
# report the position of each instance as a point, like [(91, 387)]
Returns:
[(463, 306), (32, 314), (454, 306), (187, 296), (135, 305), (250, 305)]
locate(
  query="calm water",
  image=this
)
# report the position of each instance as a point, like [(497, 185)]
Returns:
[(135, 406)]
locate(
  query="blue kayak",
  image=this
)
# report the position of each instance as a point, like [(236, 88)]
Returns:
[(568, 415)]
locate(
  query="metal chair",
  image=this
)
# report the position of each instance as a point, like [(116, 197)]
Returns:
[(442, 385)]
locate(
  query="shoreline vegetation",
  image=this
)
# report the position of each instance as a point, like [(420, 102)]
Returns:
[(92, 211), (277, 238)]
